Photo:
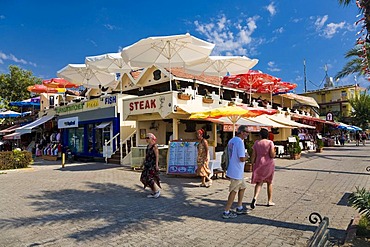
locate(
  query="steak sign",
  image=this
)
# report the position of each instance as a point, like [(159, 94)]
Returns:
[(143, 105)]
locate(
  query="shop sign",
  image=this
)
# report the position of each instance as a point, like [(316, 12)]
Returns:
[(329, 117), (92, 103), (71, 122), (69, 108), (110, 100), (160, 103), (143, 104), (250, 128)]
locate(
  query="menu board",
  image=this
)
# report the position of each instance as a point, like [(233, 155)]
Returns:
[(182, 157)]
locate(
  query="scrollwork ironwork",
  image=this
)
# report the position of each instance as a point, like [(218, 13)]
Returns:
[(314, 218)]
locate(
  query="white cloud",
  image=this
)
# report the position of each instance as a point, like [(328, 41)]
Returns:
[(271, 9), (110, 27), (11, 57), (279, 30), (92, 42), (230, 37), (272, 67), (320, 22), (328, 30)]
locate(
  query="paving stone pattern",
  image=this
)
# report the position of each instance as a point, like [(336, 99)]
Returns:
[(97, 204)]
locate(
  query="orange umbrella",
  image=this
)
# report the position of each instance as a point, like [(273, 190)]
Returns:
[(59, 83), (44, 89), (233, 113)]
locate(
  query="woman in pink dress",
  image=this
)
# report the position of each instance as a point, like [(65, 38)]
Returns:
[(263, 166)]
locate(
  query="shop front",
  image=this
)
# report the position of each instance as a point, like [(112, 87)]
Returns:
[(87, 125), (167, 117)]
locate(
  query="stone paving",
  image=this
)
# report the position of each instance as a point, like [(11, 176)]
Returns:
[(97, 204)]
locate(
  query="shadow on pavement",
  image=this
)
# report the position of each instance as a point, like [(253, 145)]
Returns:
[(87, 167), (110, 209), (279, 168)]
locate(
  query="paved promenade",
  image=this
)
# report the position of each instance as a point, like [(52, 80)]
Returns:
[(97, 204)]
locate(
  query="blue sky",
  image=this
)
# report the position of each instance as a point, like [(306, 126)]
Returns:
[(44, 36)]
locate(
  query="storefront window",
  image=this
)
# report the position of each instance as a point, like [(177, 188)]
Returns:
[(98, 139), (75, 140), (90, 135)]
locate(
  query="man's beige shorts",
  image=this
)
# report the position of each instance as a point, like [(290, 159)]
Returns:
[(237, 184)]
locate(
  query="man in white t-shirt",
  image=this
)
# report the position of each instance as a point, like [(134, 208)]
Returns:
[(235, 171)]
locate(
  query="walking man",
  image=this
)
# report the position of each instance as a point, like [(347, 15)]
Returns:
[(235, 171)]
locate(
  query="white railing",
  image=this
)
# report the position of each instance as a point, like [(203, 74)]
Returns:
[(129, 141), (110, 147)]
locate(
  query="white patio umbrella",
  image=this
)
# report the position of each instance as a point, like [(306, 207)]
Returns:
[(221, 65), (82, 75), (175, 50), (110, 62), (10, 114)]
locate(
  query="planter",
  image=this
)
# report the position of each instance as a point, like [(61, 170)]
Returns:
[(295, 156), (207, 100), (183, 96), (248, 167), (319, 150)]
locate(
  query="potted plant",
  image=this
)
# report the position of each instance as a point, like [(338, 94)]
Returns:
[(294, 149), (320, 145), (183, 96), (248, 164), (207, 99)]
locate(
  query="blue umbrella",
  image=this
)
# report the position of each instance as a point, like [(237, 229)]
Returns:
[(9, 114), (356, 128), (28, 102)]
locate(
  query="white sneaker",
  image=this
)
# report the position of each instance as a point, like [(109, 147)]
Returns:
[(157, 194), (151, 195)]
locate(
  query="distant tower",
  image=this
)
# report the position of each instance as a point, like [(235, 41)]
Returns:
[(328, 80)]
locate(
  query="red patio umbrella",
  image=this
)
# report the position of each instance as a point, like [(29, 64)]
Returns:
[(59, 83), (275, 87), (250, 81)]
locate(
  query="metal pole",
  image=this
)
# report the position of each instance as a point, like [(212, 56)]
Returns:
[(63, 159), (304, 71)]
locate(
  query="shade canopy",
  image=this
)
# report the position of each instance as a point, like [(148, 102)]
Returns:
[(82, 75), (10, 114), (251, 81), (27, 102), (174, 50), (233, 113), (8, 130), (59, 83), (304, 100), (279, 118), (12, 136), (222, 65), (28, 127), (44, 89), (110, 62), (167, 51), (259, 110)]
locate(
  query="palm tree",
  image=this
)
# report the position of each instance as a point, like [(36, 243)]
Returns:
[(364, 6), (357, 63), (360, 54), (361, 106)]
